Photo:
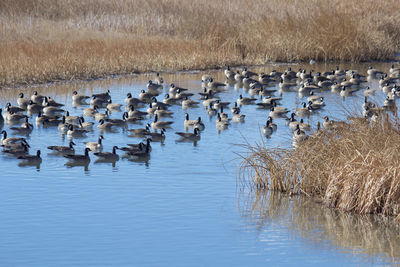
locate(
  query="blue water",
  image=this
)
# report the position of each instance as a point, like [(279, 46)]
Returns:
[(182, 207)]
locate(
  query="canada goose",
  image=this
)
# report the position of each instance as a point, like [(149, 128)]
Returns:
[(13, 109), (339, 72), (273, 125), (299, 136), (224, 116), (163, 113), (32, 158), (168, 100), (14, 118), (195, 136), (330, 124), (129, 100), (245, 100), (247, 81), (151, 109), (75, 132), (48, 101), (255, 88), (235, 108), (208, 100), (90, 112), (103, 96), (266, 79), (140, 131), (239, 77), (229, 74), (275, 74), (19, 149), (113, 106), (160, 124), (139, 147), (218, 104), (64, 150), (173, 89), (108, 156), (36, 98), (63, 126), (71, 119), (186, 103), (79, 158), (26, 127), (96, 101), (220, 123), (393, 69), (157, 137), (145, 95), (238, 117), (305, 75), (142, 154), (34, 107), (304, 110), (325, 84), (153, 86), (79, 99), (10, 140), (211, 111), (373, 72), (85, 125), (213, 85), (316, 105), (133, 147), (158, 79), (345, 92), (285, 85), (246, 72), (95, 146), (102, 116), (156, 104), (313, 97), (268, 129), (128, 119), (22, 102), (118, 122), (266, 92), (278, 111), (182, 95), (336, 87), (106, 125), (189, 123), (49, 122), (51, 110)]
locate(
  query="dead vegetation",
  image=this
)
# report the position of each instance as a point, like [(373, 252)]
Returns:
[(43, 40)]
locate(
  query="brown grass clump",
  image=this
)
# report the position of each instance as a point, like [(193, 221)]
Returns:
[(354, 167), (46, 40)]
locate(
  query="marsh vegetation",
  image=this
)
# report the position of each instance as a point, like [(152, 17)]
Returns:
[(43, 41)]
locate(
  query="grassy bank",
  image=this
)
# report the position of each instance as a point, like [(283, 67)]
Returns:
[(44, 40), (354, 167)]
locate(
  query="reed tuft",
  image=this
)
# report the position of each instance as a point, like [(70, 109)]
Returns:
[(354, 166)]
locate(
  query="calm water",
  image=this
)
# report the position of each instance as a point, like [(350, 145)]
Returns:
[(182, 207)]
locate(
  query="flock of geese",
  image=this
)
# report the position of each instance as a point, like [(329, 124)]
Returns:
[(262, 87)]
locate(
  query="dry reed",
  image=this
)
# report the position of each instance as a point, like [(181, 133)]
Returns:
[(45, 40), (354, 167)]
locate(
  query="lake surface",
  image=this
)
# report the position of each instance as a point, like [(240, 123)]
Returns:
[(183, 206)]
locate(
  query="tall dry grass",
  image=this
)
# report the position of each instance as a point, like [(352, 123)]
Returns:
[(46, 40), (354, 167)]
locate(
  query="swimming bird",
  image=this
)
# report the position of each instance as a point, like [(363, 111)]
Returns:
[(108, 156), (103, 96), (113, 106), (33, 159), (237, 117), (65, 150), (75, 132), (157, 137), (245, 100), (10, 140), (26, 127), (95, 146), (79, 99), (153, 86), (129, 100), (195, 136), (160, 124), (36, 98), (22, 102), (140, 131), (79, 158)]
